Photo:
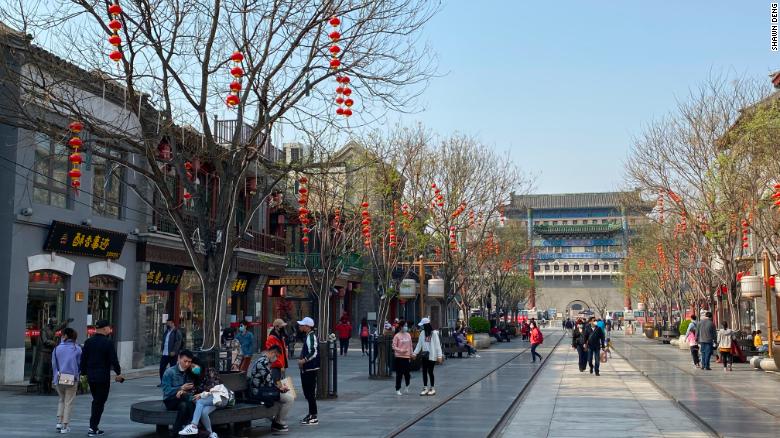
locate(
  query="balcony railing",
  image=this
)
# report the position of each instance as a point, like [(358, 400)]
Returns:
[(254, 241), (224, 130), (580, 255), (299, 260), (577, 229)]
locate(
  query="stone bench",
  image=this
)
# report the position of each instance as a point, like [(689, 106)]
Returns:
[(241, 415)]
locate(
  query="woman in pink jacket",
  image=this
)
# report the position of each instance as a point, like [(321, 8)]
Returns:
[(402, 347)]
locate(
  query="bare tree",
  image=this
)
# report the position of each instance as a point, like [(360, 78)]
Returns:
[(177, 62)]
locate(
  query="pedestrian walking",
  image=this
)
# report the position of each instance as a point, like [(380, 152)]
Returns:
[(578, 343), (430, 352), (344, 332), (232, 347), (594, 339), (725, 344), (705, 337), (66, 360), (525, 329), (172, 340), (364, 333), (402, 347), (276, 337), (536, 340), (309, 363), (178, 388), (246, 339), (98, 358), (691, 325), (694, 346)]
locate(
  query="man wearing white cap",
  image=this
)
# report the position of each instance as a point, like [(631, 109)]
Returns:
[(309, 363)]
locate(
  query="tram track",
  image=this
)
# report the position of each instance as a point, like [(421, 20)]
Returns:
[(495, 430)]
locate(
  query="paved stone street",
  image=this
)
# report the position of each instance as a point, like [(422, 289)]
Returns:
[(364, 407), (621, 402)]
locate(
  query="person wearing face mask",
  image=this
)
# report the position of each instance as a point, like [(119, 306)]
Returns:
[(263, 389), (578, 343), (233, 348), (594, 338), (402, 347), (170, 347), (209, 394), (247, 341)]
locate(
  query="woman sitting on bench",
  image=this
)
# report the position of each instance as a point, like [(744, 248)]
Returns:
[(460, 339)]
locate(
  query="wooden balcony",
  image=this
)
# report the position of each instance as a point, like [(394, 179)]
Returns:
[(224, 130), (254, 241)]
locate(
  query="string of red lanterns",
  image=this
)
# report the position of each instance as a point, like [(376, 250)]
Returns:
[(366, 222), (115, 11), (661, 207), (745, 232), (392, 235), (776, 196), (343, 91), (303, 212), (407, 215), (75, 158), (237, 72)]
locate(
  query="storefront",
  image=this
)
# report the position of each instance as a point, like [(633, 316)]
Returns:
[(45, 302), (156, 306)]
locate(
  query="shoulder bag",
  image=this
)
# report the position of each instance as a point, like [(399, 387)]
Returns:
[(63, 379)]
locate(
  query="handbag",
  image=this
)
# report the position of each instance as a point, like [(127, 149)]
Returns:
[(64, 379), (228, 398), (603, 356)]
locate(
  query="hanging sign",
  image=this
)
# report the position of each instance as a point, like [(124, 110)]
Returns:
[(86, 241), (163, 277)]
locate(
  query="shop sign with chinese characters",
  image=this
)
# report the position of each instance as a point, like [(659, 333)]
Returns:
[(239, 285), (163, 277), (86, 241)]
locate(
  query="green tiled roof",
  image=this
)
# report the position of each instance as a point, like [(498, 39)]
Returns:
[(577, 200), (577, 229)]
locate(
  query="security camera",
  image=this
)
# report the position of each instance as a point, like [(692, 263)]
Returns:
[(27, 211), (152, 229)]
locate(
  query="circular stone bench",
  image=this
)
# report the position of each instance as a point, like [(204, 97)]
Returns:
[(154, 412)]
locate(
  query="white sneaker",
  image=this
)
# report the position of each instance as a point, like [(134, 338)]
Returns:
[(398, 392), (213, 435), (65, 430), (59, 426), (431, 391), (424, 391), (189, 429), (406, 390), (477, 356)]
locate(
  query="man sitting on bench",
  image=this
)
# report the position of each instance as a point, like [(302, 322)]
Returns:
[(177, 390), (460, 340)]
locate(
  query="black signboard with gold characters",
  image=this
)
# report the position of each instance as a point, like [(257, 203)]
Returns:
[(86, 241), (163, 277), (239, 284)]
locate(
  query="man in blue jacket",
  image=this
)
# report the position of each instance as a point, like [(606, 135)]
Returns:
[(595, 340), (98, 358), (177, 389)]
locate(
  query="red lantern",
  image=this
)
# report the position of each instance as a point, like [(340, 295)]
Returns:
[(115, 56), (347, 112), (305, 230), (237, 72), (334, 21), (340, 111), (237, 57), (115, 40), (335, 63), (345, 79), (74, 173), (303, 190), (347, 91), (75, 127), (334, 50), (235, 86), (115, 25), (339, 90), (75, 142), (349, 102), (339, 100), (772, 281), (75, 158), (305, 239), (115, 9), (75, 184), (232, 100), (364, 204), (335, 36), (303, 210)]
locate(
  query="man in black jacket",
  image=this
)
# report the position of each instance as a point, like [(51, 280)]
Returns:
[(98, 358), (170, 348), (594, 339)]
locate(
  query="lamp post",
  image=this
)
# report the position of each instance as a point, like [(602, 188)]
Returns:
[(768, 296)]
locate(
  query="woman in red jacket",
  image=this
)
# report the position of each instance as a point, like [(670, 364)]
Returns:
[(276, 337), (344, 332), (536, 340)]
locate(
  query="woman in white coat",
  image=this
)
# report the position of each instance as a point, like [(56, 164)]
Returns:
[(430, 352)]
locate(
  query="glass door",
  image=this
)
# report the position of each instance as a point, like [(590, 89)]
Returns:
[(45, 303), (100, 305), (190, 309)]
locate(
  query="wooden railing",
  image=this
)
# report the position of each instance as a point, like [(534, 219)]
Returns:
[(224, 130), (254, 241)]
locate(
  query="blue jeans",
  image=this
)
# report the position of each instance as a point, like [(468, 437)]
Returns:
[(203, 407), (594, 358), (706, 353)]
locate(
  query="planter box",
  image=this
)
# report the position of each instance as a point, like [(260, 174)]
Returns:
[(481, 341)]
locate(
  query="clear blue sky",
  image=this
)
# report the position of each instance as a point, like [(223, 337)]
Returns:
[(564, 86)]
